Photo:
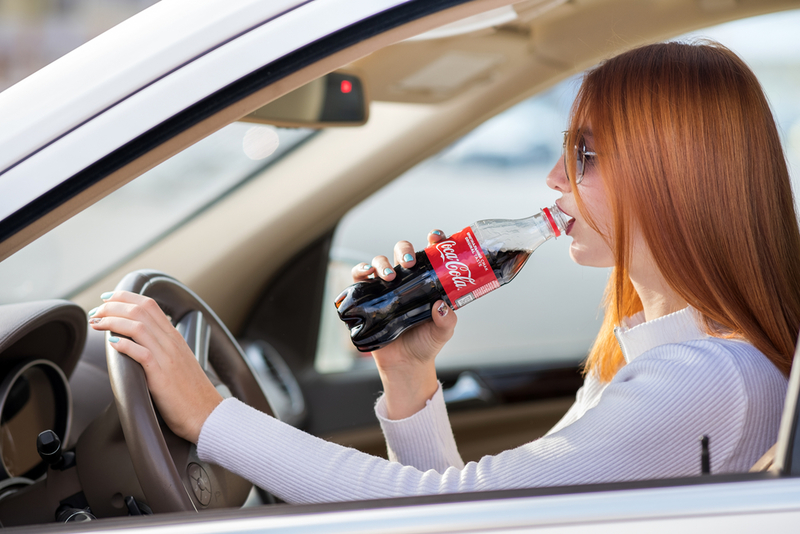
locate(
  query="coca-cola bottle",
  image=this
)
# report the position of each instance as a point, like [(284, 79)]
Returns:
[(457, 270)]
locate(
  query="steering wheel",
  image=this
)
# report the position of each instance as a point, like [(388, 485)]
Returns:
[(170, 474)]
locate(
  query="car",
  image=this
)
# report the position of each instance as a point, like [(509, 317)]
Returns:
[(175, 155)]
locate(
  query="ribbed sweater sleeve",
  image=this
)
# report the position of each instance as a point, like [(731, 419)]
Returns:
[(646, 425), (424, 440)]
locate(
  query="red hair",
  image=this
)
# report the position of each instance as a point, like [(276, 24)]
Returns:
[(689, 152)]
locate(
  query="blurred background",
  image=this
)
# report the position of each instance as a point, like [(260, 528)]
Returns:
[(33, 33)]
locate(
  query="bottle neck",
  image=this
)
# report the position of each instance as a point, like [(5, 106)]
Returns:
[(556, 220), (527, 234)]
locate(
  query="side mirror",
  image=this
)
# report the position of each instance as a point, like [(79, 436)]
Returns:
[(336, 99)]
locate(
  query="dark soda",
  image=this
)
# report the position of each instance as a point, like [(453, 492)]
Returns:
[(458, 270)]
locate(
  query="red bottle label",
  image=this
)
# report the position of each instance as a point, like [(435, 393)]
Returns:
[(462, 268)]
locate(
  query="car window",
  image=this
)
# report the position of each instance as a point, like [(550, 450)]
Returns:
[(551, 311), (68, 258)]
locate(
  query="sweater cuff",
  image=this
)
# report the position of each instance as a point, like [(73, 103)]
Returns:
[(219, 424), (423, 440)]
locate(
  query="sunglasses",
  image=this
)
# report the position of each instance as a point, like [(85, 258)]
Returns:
[(580, 154)]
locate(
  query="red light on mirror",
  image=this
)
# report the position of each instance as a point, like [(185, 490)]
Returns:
[(346, 86)]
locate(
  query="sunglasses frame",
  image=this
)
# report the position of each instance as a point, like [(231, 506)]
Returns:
[(580, 162)]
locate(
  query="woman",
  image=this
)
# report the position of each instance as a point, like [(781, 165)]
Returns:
[(674, 176)]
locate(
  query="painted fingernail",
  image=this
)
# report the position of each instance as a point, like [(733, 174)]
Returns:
[(107, 295), (437, 232), (408, 257), (113, 339), (387, 271), (366, 267), (95, 320), (92, 312), (443, 309)]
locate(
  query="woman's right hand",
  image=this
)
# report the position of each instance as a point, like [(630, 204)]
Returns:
[(406, 365)]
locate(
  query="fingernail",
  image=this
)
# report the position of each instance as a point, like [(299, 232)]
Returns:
[(92, 312), (443, 309), (107, 295), (95, 320), (113, 339), (387, 271), (437, 232), (366, 267), (408, 257)]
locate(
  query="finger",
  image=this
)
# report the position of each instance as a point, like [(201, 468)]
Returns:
[(139, 332), (445, 320), (435, 236), (362, 271), (383, 268), (157, 334), (137, 352), (404, 254), (136, 307)]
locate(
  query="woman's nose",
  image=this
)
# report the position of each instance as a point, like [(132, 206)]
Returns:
[(557, 178)]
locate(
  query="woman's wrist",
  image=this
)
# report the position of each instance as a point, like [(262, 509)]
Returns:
[(407, 389)]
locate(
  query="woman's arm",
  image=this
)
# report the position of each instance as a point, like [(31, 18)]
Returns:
[(180, 388), (646, 426), (184, 395), (424, 440), (406, 366)]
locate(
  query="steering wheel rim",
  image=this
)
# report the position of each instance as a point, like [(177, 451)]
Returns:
[(171, 476)]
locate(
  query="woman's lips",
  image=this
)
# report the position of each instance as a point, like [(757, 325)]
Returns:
[(571, 220)]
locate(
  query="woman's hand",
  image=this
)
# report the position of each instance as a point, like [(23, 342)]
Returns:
[(183, 393), (406, 365)]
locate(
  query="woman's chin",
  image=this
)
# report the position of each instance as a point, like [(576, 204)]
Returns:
[(590, 257)]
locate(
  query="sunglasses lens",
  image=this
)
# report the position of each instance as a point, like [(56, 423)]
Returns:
[(580, 160), (579, 155)]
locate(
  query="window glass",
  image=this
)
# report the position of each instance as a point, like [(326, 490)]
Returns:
[(551, 311), (116, 228)]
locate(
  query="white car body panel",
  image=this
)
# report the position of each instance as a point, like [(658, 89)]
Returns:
[(728, 507), (119, 62), (128, 103)]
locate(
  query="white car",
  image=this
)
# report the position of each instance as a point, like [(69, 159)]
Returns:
[(239, 156)]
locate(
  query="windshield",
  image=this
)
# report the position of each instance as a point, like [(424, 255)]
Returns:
[(61, 262)]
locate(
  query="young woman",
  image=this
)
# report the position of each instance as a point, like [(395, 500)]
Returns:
[(673, 175)]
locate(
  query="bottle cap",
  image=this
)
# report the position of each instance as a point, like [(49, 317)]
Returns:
[(556, 218)]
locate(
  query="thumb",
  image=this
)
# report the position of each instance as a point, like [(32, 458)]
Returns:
[(444, 318)]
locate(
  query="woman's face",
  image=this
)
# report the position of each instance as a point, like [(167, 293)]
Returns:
[(588, 246)]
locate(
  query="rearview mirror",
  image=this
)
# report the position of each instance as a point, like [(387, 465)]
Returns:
[(336, 99)]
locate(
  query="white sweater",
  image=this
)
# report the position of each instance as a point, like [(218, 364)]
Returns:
[(677, 385)]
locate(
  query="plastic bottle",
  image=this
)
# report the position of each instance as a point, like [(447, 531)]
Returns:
[(458, 270)]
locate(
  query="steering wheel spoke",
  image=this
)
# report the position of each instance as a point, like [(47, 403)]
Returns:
[(197, 332)]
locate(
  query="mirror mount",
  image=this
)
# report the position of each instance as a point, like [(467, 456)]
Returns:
[(336, 99)]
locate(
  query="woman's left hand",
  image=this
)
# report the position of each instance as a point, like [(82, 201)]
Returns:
[(184, 395)]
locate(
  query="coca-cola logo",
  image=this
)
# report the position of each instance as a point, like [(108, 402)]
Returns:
[(458, 271)]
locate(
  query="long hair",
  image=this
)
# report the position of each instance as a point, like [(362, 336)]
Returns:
[(689, 152)]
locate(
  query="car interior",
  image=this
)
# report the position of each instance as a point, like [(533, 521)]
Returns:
[(247, 276)]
